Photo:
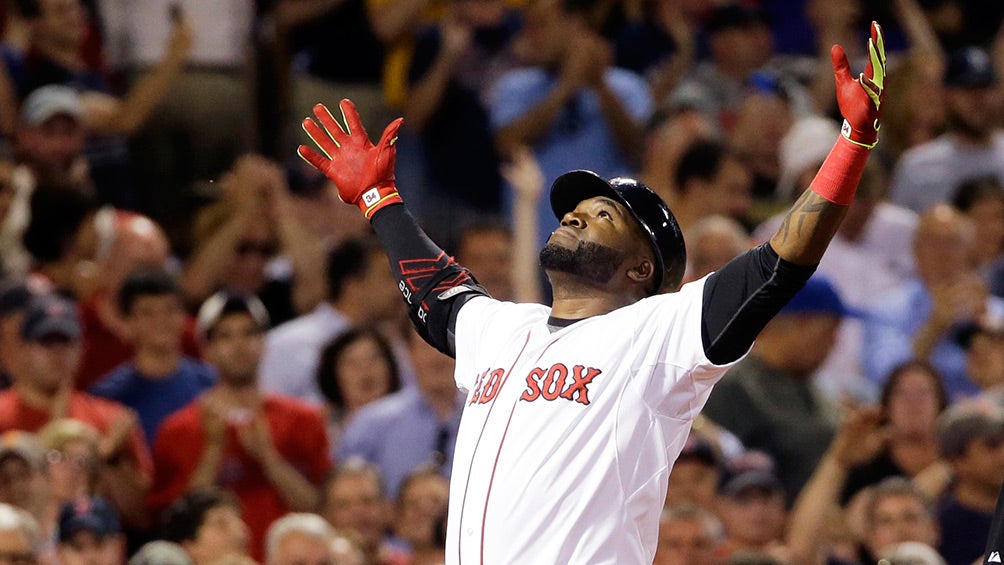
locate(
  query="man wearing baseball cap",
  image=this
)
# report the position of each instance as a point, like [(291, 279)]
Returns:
[(14, 298), (270, 451), (752, 504), (20, 465), (972, 147), (971, 434), (51, 135), (769, 401), (43, 392), (90, 533)]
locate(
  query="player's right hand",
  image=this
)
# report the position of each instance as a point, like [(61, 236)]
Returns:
[(860, 99), (362, 172)]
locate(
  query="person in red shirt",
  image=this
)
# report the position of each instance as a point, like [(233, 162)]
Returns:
[(125, 242), (43, 391), (270, 451)]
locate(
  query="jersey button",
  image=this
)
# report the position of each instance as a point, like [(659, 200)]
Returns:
[(470, 531)]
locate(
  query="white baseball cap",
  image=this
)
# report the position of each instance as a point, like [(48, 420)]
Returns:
[(50, 101), (223, 303)]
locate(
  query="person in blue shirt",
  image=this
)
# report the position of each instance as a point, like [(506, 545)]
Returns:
[(415, 426), (159, 379)]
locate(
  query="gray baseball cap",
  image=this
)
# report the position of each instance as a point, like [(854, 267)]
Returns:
[(968, 421)]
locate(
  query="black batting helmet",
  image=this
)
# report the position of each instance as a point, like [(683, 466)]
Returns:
[(652, 214)]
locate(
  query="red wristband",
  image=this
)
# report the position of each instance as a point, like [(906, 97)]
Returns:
[(373, 199), (837, 180)]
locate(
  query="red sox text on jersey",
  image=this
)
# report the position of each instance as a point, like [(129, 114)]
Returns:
[(557, 381)]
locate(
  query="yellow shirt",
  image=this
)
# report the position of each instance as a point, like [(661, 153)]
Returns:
[(398, 59)]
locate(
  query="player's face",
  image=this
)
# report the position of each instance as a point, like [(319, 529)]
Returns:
[(897, 519), (595, 241), (684, 541)]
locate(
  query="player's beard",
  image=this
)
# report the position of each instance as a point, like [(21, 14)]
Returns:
[(590, 261)]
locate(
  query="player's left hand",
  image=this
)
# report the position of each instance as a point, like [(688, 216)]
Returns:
[(362, 172), (860, 99)]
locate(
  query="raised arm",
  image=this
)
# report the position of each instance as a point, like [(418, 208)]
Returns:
[(107, 114), (433, 285), (744, 295), (809, 226)]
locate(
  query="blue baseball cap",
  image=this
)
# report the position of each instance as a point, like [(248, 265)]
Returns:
[(970, 67), (49, 315), (87, 514), (818, 296)]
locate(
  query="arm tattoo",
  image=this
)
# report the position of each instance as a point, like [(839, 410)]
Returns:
[(811, 208)]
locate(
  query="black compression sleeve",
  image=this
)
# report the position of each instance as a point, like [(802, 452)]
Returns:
[(741, 297), (432, 283)]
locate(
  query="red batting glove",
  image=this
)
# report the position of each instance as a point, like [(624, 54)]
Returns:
[(362, 172), (860, 99)]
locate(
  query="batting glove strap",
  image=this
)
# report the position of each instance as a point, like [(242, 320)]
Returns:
[(861, 139), (377, 197)]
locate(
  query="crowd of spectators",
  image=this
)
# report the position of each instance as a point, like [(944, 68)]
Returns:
[(204, 358)]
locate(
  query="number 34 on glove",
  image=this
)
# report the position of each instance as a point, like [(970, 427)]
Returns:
[(860, 99), (362, 172)]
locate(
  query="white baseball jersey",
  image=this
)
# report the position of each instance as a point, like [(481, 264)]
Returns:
[(568, 437)]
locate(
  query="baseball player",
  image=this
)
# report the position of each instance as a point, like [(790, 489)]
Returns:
[(576, 413)]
